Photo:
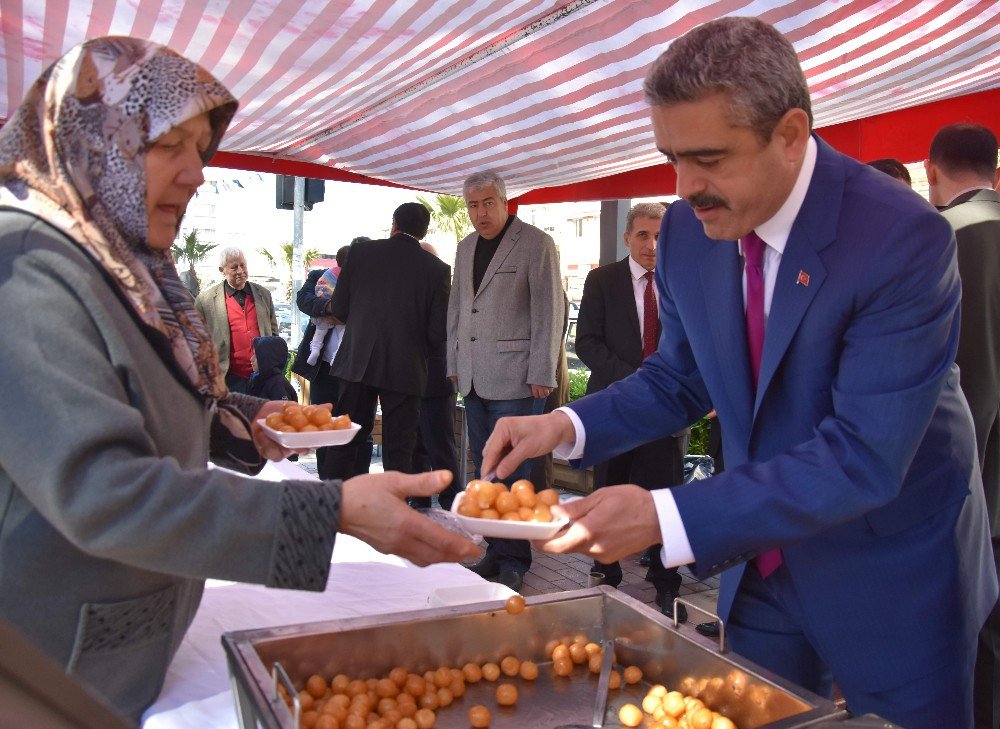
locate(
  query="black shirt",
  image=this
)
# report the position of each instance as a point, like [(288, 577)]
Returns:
[(240, 296), (485, 250)]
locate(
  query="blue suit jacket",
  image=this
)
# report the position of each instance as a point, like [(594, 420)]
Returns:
[(856, 455)]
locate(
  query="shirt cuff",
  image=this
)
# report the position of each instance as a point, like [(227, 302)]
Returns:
[(571, 451), (676, 547)]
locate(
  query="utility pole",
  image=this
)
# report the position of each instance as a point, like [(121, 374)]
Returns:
[(299, 202)]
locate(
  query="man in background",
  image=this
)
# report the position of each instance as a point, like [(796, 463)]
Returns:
[(436, 447), (393, 297), (961, 171), (617, 329), (894, 168), (504, 320), (236, 310)]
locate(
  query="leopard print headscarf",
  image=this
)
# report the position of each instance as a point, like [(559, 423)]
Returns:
[(73, 154)]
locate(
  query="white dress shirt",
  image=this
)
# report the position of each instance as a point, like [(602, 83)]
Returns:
[(774, 232)]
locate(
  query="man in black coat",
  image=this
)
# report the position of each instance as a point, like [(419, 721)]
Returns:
[(961, 172), (323, 386), (393, 297), (617, 328)]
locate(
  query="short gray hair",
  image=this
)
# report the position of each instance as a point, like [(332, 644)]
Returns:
[(743, 57), (228, 253), (479, 180), (643, 210)]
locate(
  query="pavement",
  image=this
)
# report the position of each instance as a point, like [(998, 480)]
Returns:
[(559, 572)]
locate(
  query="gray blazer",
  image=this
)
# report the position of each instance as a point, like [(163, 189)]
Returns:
[(506, 337), (109, 519), (211, 303)]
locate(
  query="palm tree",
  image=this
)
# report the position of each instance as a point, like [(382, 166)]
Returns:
[(286, 259), (193, 252), (449, 214)]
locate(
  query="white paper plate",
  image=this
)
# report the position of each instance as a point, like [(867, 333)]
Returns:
[(311, 439), (508, 529), (465, 594)]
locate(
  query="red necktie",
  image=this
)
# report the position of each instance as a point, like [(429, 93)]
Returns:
[(650, 318), (753, 250)]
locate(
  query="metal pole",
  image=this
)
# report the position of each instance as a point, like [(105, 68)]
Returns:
[(299, 202)]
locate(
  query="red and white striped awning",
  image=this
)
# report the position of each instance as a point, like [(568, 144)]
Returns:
[(421, 93)]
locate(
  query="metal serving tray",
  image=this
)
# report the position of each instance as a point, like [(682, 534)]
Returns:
[(450, 636)]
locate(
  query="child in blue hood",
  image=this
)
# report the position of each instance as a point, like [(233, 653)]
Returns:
[(268, 361)]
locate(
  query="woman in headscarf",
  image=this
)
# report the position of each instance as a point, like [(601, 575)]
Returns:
[(113, 400)]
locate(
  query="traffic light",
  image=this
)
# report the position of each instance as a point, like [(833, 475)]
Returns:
[(284, 194)]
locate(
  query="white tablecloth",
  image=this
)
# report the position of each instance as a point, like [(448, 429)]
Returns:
[(197, 690)]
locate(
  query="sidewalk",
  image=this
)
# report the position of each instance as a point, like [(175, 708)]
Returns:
[(556, 573)]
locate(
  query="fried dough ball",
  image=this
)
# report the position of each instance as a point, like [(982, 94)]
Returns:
[(615, 680), (529, 671), (722, 722), (630, 715), (486, 495), (457, 687), (479, 717), (506, 503), (472, 673), (406, 723), (549, 497), (489, 514), (594, 662), (632, 674), (650, 703), (444, 697), (510, 666), (398, 676), (562, 666), (386, 688), (700, 719), (514, 604), (429, 700), (577, 653), (506, 694), (443, 677), (425, 719), (560, 651), (469, 507), (415, 685), (673, 704), (306, 700), (491, 671), (325, 721), (542, 513), (339, 683), (592, 648), (308, 720)]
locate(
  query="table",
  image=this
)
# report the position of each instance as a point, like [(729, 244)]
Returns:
[(363, 581)]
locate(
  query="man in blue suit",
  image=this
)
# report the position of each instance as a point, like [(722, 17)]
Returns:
[(815, 303)]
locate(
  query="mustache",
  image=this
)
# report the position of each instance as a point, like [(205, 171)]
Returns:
[(706, 201)]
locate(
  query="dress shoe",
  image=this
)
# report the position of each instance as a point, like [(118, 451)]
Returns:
[(511, 579), (665, 600), (709, 630), (486, 568), (612, 573)]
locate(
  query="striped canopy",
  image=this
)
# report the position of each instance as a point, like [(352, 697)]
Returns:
[(420, 93)]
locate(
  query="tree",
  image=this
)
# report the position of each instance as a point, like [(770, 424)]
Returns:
[(193, 252), (448, 214), (286, 259)]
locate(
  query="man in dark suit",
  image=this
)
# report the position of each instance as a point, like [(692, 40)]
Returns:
[(616, 330), (814, 302), (961, 171), (393, 297), (436, 448)]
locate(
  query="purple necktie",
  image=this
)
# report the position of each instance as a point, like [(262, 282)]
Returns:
[(753, 250)]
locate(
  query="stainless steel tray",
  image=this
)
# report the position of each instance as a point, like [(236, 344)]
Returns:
[(479, 632)]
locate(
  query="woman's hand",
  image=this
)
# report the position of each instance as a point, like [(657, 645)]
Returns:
[(374, 509), (270, 449)]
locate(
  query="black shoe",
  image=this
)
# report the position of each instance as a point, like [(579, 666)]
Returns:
[(487, 567), (645, 560), (612, 573), (709, 630), (511, 579), (665, 601)]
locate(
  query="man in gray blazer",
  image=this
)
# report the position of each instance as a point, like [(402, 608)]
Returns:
[(504, 323), (236, 310), (961, 172)]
